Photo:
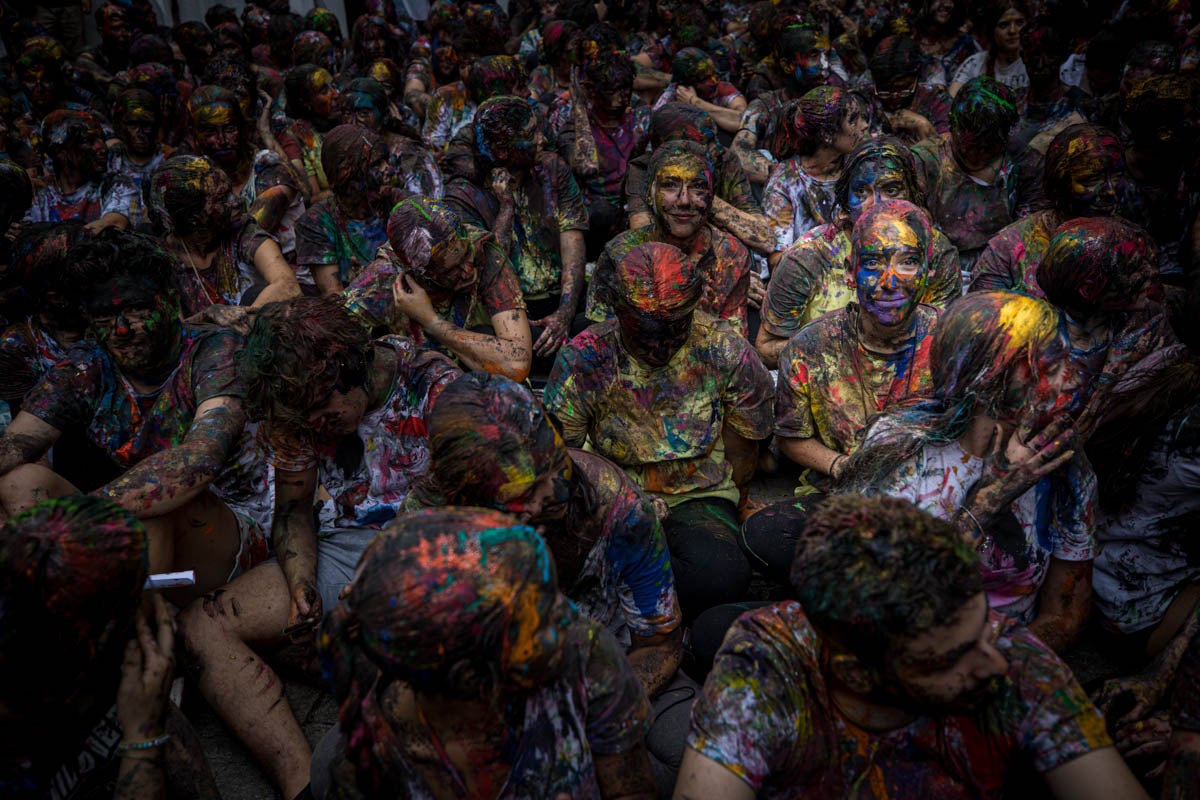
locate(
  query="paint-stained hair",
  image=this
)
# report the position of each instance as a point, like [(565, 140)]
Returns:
[(1092, 257), (815, 119), (872, 572), (298, 351), (297, 87), (492, 76), (113, 253), (1074, 149), (348, 152), (983, 104), (497, 122)]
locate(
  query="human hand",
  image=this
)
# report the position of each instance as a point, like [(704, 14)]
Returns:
[(305, 612), (1124, 701), (502, 185), (555, 329), (908, 121), (264, 113), (686, 94), (1147, 737), (412, 300), (146, 673), (237, 318), (758, 292), (1012, 469), (661, 509)]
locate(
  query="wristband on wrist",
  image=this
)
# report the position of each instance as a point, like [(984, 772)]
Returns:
[(148, 744)]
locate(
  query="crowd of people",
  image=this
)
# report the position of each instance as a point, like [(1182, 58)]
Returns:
[(434, 361)]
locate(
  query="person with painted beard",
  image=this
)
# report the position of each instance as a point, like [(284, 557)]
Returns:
[(679, 194), (890, 676), (680, 400)]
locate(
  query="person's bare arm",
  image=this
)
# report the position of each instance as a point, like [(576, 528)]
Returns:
[(769, 346), (1063, 603), (640, 219), (142, 699), (556, 328), (649, 78), (753, 230), (812, 453), (325, 276), (509, 352), (727, 119), (281, 281), (1100, 773), (656, 659), (270, 206), (626, 776), (742, 455), (701, 778), (112, 219), (171, 478), (26, 439), (745, 147), (582, 156), (294, 534)]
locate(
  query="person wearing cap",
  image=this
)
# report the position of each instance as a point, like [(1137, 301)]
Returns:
[(679, 399), (448, 286), (460, 670)]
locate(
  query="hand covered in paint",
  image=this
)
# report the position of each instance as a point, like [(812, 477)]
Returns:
[(306, 611), (686, 94), (661, 509), (758, 292), (237, 318), (502, 185), (1125, 701), (555, 329), (1145, 738), (910, 122), (1014, 468), (412, 300), (264, 113), (146, 673)]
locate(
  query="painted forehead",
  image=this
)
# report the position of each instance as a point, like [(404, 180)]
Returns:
[(681, 166)]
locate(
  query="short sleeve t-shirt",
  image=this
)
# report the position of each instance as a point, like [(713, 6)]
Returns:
[(326, 236), (795, 202), (829, 385), (116, 194), (1057, 517), (1011, 258), (664, 426), (368, 476), (231, 274), (767, 716)]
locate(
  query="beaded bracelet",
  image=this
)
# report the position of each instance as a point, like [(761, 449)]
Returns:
[(146, 745)]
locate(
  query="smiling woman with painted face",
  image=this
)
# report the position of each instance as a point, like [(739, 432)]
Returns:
[(992, 452), (998, 25), (461, 671)]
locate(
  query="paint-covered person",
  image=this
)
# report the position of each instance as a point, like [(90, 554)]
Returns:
[(694, 81), (311, 111), (342, 412), (81, 187), (680, 400), (365, 102), (679, 194), (970, 184), (271, 190), (816, 274), (488, 77), (137, 121), (846, 366), (992, 453), (161, 399), (450, 107), (889, 676), (223, 256), (338, 236), (998, 25), (85, 671), (597, 132), (914, 110), (530, 201), (825, 125), (491, 445), (446, 285), (1084, 176), (461, 670)]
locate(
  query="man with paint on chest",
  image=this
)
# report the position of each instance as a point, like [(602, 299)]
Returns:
[(342, 412), (492, 445), (845, 367), (890, 677), (678, 399), (161, 399), (528, 198), (679, 192)]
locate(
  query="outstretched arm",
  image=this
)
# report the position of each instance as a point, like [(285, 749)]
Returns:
[(171, 478)]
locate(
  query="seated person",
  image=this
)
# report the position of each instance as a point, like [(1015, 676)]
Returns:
[(814, 276), (1183, 764), (310, 112), (679, 400), (915, 110), (694, 81), (679, 191), (442, 282), (338, 236), (450, 108), (137, 121), (161, 400), (1084, 177), (968, 177), (344, 413), (491, 445), (461, 671), (86, 672), (365, 102), (822, 128), (528, 198), (223, 256), (734, 209), (990, 453), (488, 77), (845, 367), (890, 676), (80, 187)]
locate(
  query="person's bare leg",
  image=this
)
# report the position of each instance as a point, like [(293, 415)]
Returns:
[(217, 631), (30, 484), (202, 535)]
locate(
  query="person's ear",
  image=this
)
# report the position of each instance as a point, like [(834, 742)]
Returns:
[(852, 673)]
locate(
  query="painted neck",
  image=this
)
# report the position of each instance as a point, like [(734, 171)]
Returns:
[(884, 338), (826, 162)]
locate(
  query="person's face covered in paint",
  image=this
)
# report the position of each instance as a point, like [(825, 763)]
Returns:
[(682, 195), (521, 151), (87, 154), (380, 180), (42, 84), (872, 182), (341, 413), (135, 323), (218, 133), (322, 95), (139, 127), (451, 267), (549, 498), (951, 667), (1097, 182), (360, 108), (890, 264)]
